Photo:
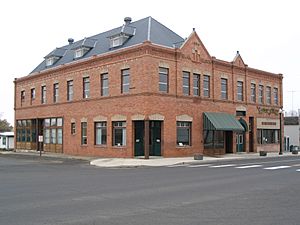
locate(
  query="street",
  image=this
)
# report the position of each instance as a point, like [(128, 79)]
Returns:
[(262, 191)]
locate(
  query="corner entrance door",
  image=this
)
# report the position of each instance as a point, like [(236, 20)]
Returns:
[(239, 142), (139, 138), (155, 138)]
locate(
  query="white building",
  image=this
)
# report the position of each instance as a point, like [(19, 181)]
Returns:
[(7, 140), (291, 131)]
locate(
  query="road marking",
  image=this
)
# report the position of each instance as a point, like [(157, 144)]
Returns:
[(250, 166), (298, 170), (277, 167), (200, 165), (296, 165), (178, 165), (222, 166)]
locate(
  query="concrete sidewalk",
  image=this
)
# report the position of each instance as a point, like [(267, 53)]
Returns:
[(152, 162), (160, 161)]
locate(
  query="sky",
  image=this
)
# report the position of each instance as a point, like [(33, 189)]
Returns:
[(266, 33)]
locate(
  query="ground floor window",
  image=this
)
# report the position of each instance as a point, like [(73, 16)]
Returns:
[(53, 132), (84, 133), (183, 133), (213, 139), (26, 131), (3, 140), (119, 133), (267, 136), (100, 133)]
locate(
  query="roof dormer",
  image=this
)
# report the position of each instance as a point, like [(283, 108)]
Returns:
[(84, 46), (54, 56), (120, 35)]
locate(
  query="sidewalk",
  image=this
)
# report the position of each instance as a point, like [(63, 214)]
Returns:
[(160, 161), (152, 162)]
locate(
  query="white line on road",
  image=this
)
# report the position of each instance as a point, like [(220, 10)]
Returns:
[(222, 166), (277, 167), (200, 165), (250, 166), (298, 170)]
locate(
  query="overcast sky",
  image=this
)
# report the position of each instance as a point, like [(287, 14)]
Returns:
[(267, 33)]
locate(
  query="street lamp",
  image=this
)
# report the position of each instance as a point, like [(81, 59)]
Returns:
[(280, 131)]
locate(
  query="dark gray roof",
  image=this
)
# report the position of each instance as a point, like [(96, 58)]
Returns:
[(139, 31), (291, 120)]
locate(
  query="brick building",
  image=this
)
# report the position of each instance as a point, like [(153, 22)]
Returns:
[(142, 89)]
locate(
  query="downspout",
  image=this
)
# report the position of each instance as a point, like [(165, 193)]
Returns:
[(15, 121)]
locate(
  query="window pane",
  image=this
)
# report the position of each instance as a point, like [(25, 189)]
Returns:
[(59, 136), (47, 136), (53, 136), (59, 122)]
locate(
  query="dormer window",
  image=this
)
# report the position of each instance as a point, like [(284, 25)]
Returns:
[(51, 60), (80, 52), (118, 40)]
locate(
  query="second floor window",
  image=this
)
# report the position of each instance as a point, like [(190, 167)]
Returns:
[(32, 95), (240, 90), (260, 94), (70, 90), (253, 92), (206, 85), (268, 95), (55, 93), (276, 96), (86, 87), (22, 97), (163, 80), (43, 95), (196, 84), (186, 83), (125, 81), (224, 94), (104, 84)]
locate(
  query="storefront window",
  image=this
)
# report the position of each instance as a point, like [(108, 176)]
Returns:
[(119, 133), (183, 133), (267, 136)]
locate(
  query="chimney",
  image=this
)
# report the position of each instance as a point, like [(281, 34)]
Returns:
[(127, 20), (71, 41)]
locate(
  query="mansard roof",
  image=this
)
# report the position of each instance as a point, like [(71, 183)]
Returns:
[(147, 29)]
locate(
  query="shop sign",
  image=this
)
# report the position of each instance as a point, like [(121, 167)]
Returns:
[(268, 111), (267, 123)]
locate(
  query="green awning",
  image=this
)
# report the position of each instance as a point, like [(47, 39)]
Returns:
[(221, 121)]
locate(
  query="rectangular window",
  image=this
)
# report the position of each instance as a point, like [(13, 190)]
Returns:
[(70, 90), (59, 136), (276, 96), (53, 136), (183, 133), (268, 95), (196, 84), (224, 87), (55, 93), (104, 84), (4, 141), (267, 136), (206, 85), (47, 136), (163, 83), (86, 87), (186, 83), (32, 94), (22, 97), (83, 133), (73, 128), (261, 94), (240, 91), (43, 95), (125, 81), (100, 133), (253, 92), (119, 133)]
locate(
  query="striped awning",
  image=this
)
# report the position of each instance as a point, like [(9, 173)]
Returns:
[(221, 121)]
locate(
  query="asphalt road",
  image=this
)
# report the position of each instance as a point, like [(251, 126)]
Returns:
[(52, 191)]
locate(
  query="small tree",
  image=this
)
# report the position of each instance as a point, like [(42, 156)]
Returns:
[(5, 126)]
